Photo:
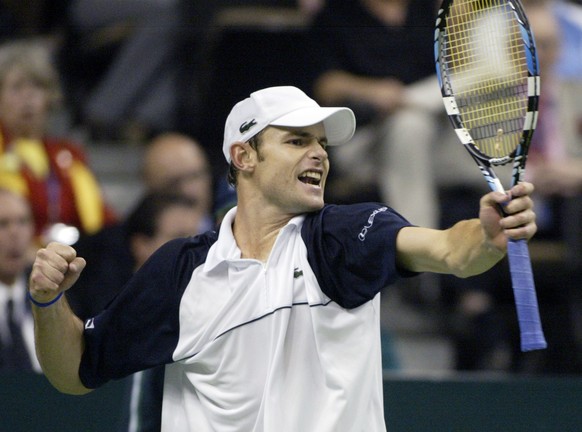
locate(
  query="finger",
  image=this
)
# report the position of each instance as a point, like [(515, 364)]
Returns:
[(50, 263), (55, 269), (522, 189), (44, 284), (526, 231), (518, 204), (73, 273), (62, 250), (39, 281), (518, 220), (77, 265), (494, 199)]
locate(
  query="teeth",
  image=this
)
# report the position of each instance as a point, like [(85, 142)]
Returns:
[(310, 177), (313, 175)]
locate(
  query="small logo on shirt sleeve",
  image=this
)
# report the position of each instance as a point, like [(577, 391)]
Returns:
[(90, 324), (364, 231)]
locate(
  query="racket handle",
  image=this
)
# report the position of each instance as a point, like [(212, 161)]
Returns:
[(526, 303)]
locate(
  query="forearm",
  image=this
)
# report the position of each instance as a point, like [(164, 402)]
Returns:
[(472, 246), (334, 87), (59, 345), (468, 251), (461, 250)]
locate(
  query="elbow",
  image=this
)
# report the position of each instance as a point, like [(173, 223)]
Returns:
[(74, 387), (462, 272), (72, 390)]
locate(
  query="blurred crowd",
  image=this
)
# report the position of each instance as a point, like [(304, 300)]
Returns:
[(161, 75)]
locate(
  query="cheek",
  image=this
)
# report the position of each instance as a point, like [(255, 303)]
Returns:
[(39, 101), (279, 179), (197, 188), (8, 103)]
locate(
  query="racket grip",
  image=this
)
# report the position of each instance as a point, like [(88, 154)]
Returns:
[(526, 303)]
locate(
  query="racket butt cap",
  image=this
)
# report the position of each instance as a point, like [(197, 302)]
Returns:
[(533, 342)]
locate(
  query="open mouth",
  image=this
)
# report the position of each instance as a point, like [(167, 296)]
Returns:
[(311, 177)]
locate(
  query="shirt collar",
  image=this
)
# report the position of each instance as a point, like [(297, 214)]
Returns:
[(225, 249)]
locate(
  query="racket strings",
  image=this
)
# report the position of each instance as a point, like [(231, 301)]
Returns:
[(487, 68)]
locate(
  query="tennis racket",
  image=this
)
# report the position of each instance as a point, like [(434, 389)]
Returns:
[(489, 77)]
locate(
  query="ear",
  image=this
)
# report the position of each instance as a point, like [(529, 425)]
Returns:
[(242, 156)]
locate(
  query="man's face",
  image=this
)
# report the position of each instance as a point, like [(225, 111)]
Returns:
[(292, 167), (182, 167), (174, 222), (16, 232), (24, 105), (547, 36)]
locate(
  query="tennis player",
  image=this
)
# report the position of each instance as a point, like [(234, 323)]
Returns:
[(271, 323)]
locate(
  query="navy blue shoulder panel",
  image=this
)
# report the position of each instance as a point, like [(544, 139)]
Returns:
[(140, 327), (352, 250)]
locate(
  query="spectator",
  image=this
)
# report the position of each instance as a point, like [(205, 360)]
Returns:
[(52, 173), (177, 161), (135, 94), (16, 323), (158, 218), (376, 57), (555, 166)]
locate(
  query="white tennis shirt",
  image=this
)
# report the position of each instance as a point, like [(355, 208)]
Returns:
[(292, 344)]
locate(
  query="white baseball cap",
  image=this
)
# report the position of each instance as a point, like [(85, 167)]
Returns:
[(285, 106)]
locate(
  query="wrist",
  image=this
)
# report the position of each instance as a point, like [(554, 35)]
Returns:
[(41, 304)]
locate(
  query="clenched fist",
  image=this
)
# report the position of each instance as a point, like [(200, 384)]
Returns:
[(56, 268)]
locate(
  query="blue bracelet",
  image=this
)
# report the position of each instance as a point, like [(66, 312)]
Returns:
[(42, 305)]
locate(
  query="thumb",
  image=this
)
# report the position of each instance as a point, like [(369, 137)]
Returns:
[(75, 269)]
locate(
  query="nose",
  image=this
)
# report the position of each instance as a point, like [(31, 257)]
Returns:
[(317, 151)]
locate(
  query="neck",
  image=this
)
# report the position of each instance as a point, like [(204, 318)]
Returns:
[(255, 230)]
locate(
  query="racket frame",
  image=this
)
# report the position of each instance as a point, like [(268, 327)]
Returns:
[(519, 155), (532, 337)]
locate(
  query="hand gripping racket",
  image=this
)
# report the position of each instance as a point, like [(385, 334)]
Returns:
[(489, 77)]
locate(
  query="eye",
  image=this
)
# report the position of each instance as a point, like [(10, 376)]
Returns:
[(296, 141)]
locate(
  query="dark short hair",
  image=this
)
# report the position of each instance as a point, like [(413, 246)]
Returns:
[(143, 219)]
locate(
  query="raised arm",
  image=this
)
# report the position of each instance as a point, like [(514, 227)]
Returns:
[(58, 332), (473, 246)]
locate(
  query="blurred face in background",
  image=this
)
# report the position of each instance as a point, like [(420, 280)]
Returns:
[(174, 222), (24, 105), (16, 236), (178, 163), (546, 32)]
